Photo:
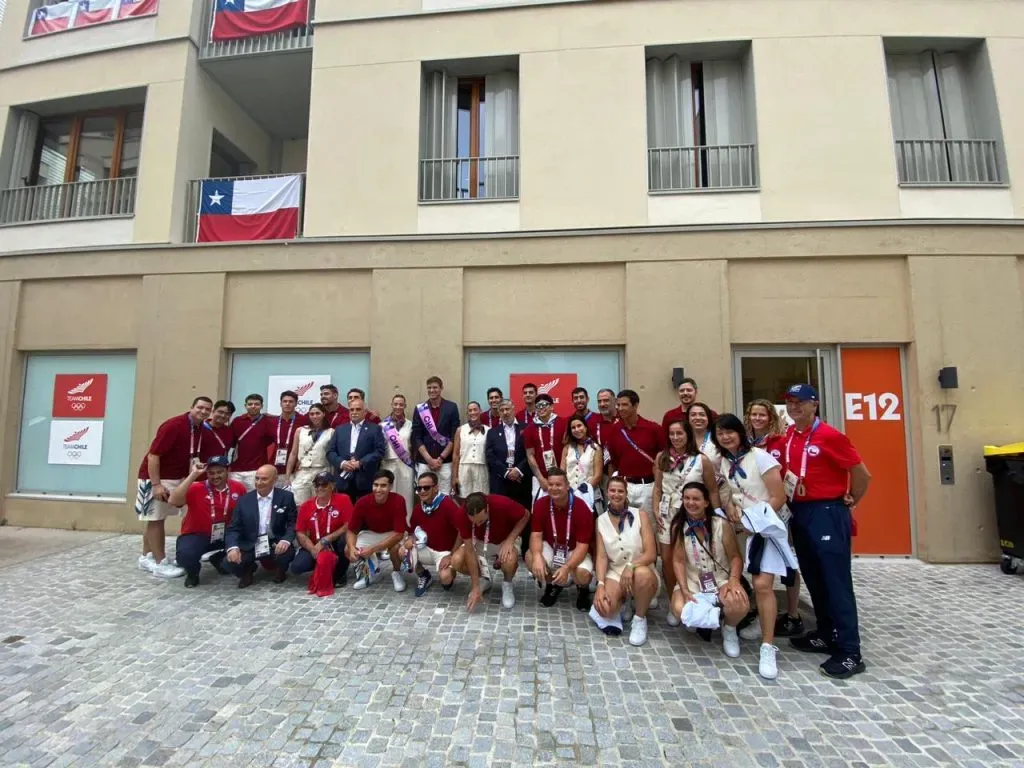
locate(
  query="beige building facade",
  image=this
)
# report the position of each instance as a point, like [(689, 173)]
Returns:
[(746, 189)]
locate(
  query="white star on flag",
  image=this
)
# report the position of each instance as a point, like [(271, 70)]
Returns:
[(215, 198)]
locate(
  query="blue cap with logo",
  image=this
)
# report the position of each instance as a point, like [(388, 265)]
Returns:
[(218, 461), (802, 392)]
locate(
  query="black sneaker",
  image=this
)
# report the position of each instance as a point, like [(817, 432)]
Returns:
[(788, 626), (191, 580), (550, 596), (812, 642), (612, 631), (841, 666), (582, 598)]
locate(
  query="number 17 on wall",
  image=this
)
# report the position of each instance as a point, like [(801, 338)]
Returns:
[(860, 406)]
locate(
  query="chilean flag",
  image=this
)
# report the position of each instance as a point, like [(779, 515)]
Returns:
[(251, 209), (53, 18), (235, 19), (95, 12), (131, 8)]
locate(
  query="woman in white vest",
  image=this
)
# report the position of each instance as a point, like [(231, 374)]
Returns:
[(624, 565), (469, 461), (309, 454), (582, 461), (707, 561), (398, 458), (680, 464), (753, 477)]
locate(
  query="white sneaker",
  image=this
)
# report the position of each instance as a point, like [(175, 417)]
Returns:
[(168, 570), (508, 594), (638, 633), (673, 620), (627, 611), (361, 583), (370, 573), (768, 668), (398, 582), (730, 641), (752, 631), (146, 562)]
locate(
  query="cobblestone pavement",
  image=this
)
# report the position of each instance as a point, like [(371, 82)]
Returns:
[(118, 668)]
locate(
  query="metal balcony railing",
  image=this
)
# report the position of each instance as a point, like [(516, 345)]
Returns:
[(106, 198), (469, 178), (948, 161), (195, 189), (724, 166), (291, 40)]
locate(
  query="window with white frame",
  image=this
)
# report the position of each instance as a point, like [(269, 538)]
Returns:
[(700, 125), (469, 136), (944, 119)]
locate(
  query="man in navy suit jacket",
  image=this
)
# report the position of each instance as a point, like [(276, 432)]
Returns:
[(434, 424), (508, 479), (264, 517), (356, 463)]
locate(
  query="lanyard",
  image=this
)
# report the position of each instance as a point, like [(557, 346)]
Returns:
[(327, 519), (194, 447), (550, 427), (209, 426), (213, 507), (636, 447), (568, 523), (705, 441), (291, 426), (807, 447), (248, 429), (487, 533)]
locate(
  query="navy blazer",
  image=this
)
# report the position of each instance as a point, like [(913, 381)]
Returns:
[(369, 452), (244, 528), (447, 426), (496, 452)]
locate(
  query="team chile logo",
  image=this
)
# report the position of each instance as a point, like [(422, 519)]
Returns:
[(558, 385), (304, 402), (81, 395), (73, 447)]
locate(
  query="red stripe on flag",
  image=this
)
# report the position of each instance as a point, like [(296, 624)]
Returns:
[(144, 8), (233, 25), (277, 225), (88, 18), (48, 26)]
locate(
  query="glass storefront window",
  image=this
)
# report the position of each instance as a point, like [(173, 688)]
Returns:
[(251, 372)]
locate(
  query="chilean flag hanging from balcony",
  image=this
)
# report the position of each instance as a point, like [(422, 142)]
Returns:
[(131, 8), (236, 19), (249, 209), (53, 18), (95, 12)]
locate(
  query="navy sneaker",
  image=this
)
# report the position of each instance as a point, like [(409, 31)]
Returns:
[(423, 582), (812, 642), (841, 666), (788, 626)]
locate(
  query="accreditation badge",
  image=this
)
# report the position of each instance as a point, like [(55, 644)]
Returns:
[(217, 533), (789, 483), (706, 579), (560, 558), (549, 460), (263, 545), (281, 457)]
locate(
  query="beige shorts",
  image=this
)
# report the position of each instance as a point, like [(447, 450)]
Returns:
[(615, 574), (639, 495), (549, 557), (428, 556), (149, 509), (366, 539)]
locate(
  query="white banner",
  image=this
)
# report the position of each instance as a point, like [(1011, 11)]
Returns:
[(307, 387), (76, 442)]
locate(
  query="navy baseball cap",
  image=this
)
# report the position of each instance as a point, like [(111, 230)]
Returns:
[(218, 461), (802, 392), (323, 478), (544, 399)]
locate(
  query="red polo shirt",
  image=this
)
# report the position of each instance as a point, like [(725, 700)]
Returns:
[(488, 420), (444, 526), (505, 515), (388, 517), (177, 440), (774, 445), (373, 418), (830, 457), (338, 418), (602, 430), (546, 438), (582, 529), (316, 522), (647, 436), (285, 432), (206, 506), (217, 441), (525, 417), (252, 438)]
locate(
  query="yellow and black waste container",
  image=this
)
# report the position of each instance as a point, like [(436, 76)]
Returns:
[(1006, 465)]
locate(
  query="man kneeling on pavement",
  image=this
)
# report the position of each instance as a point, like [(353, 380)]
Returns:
[(377, 526), (498, 522), (262, 528)]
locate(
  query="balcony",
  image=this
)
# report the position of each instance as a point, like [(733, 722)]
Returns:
[(193, 202), (688, 169), (106, 198), (290, 40), (469, 178), (967, 162)]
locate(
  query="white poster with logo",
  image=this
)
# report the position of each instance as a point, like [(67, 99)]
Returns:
[(76, 442), (307, 387)]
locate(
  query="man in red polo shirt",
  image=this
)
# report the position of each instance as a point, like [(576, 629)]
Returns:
[(543, 439), (219, 438), (438, 530), (254, 434), (633, 448), (562, 528), (285, 428), (378, 525), (209, 504), (688, 393), (526, 415), (177, 446), (498, 522), (337, 414), (320, 525), (825, 478), (493, 417)]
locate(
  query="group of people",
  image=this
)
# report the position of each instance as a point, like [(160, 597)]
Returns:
[(718, 499)]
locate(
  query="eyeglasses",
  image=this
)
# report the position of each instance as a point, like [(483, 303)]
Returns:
[(544, 404), (423, 488)]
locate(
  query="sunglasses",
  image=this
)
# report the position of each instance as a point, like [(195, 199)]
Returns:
[(544, 404), (422, 488)]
